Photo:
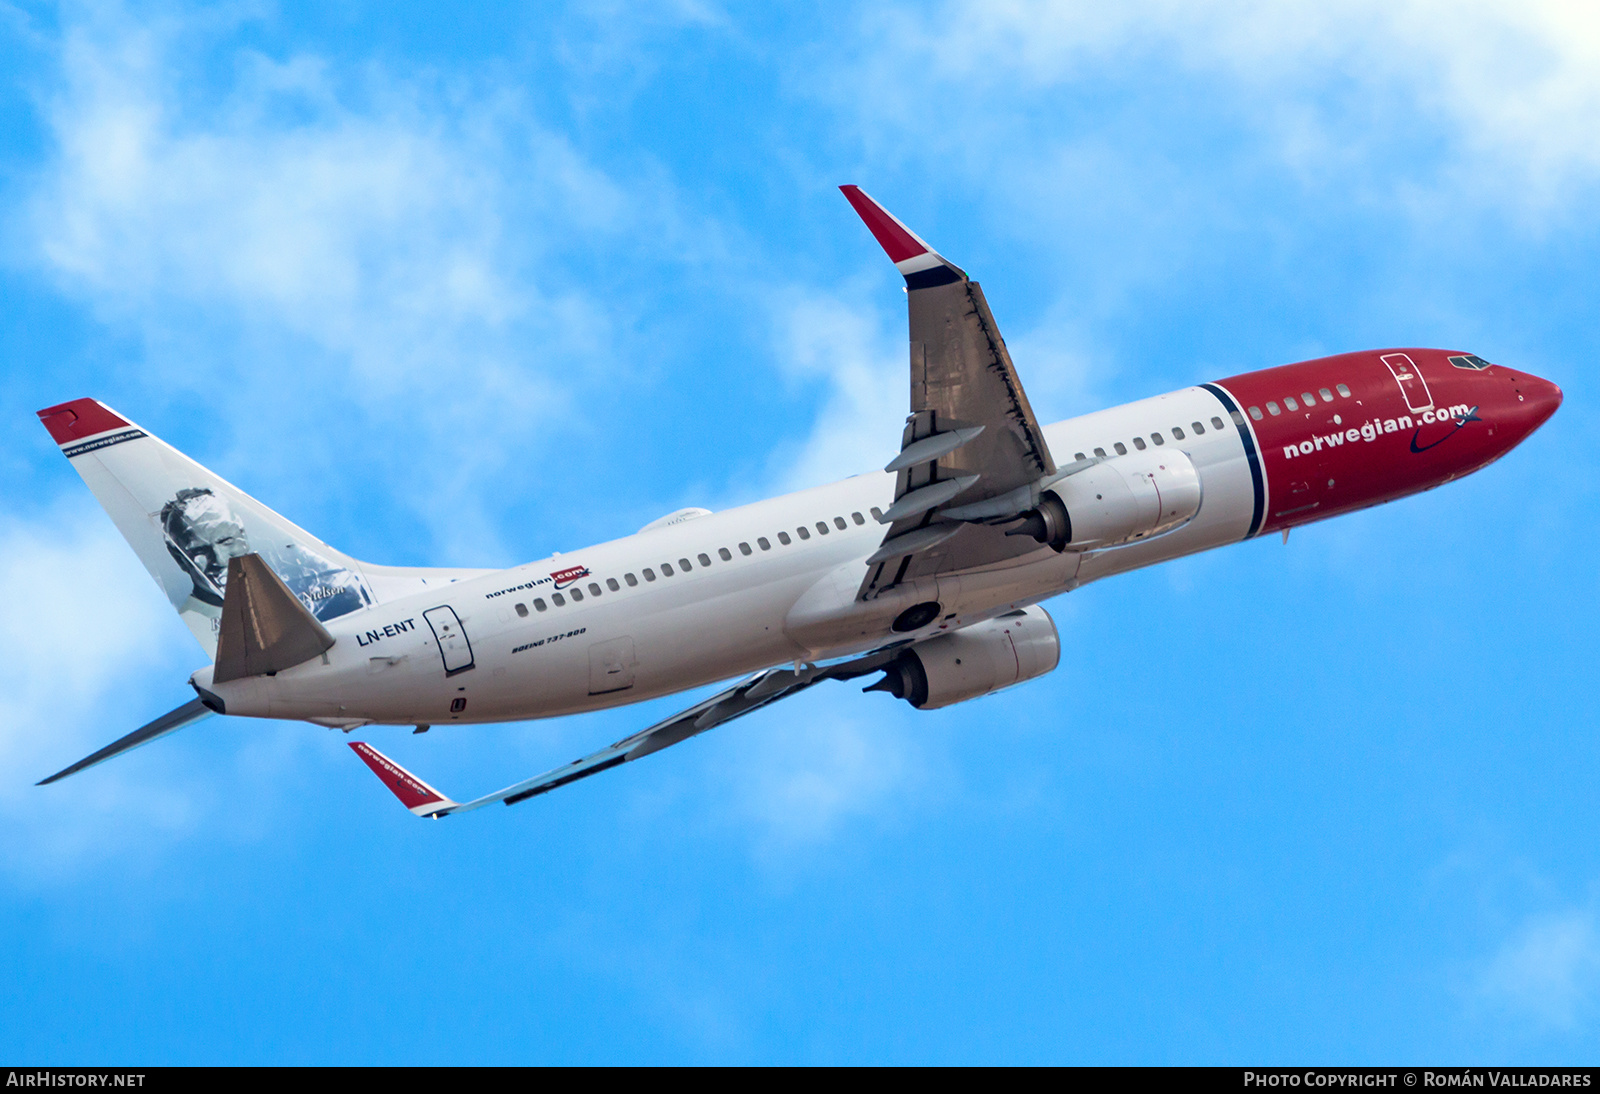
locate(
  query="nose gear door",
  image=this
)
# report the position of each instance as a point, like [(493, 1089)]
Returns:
[(452, 639)]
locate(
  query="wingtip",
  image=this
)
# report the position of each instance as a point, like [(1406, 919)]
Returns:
[(920, 264), (899, 242)]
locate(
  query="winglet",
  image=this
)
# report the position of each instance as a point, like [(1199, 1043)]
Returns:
[(920, 264), (414, 794)]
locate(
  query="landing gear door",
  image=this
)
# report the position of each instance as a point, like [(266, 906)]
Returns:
[(452, 639), (1412, 385)]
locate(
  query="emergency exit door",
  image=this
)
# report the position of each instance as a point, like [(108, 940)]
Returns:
[(611, 666), (451, 637)]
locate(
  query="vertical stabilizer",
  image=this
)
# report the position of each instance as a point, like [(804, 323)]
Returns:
[(186, 523)]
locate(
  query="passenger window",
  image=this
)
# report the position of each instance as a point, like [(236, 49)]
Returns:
[(1308, 398), (1138, 442), (726, 555), (630, 579), (761, 541), (577, 594), (594, 589), (1255, 412), (649, 574), (822, 527), (1197, 427), (683, 564), (805, 533), (783, 538), (1100, 452), (1288, 403), (744, 549), (522, 610), (877, 514), (1327, 396), (559, 600), (1273, 409), (611, 583), (1177, 433), (858, 518), (666, 569), (1238, 419), (1079, 456), (1122, 449), (838, 522), (1158, 438), (538, 604), (705, 559), (1342, 390), (1216, 423)]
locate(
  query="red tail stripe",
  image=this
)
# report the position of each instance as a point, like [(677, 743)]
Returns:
[(78, 419)]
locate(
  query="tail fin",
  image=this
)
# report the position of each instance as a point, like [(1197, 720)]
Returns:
[(186, 523)]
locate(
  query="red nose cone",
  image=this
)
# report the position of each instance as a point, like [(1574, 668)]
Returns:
[(1544, 396)]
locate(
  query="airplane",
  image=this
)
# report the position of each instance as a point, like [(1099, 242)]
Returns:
[(927, 574)]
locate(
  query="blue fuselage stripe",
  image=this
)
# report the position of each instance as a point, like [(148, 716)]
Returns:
[(1250, 453)]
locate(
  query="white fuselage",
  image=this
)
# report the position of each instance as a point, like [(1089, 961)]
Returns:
[(648, 634)]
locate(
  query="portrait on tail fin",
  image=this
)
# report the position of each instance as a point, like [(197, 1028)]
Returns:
[(202, 532)]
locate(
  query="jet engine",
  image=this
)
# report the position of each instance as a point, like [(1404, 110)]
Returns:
[(974, 661), (1119, 500)]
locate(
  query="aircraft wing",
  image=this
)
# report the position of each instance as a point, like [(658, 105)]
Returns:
[(972, 455), (744, 697)]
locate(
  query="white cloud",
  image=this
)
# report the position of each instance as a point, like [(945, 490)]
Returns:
[(868, 375), (1517, 83), (805, 769), (305, 245), (87, 625), (1549, 971)]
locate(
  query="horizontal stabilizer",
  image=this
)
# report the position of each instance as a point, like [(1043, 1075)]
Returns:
[(186, 715), (265, 627)]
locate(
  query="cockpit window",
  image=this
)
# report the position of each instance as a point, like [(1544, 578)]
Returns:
[(1469, 360)]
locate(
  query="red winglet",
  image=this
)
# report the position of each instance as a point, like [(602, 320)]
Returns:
[(79, 419), (895, 238), (413, 793)]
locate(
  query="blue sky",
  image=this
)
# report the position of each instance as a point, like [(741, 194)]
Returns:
[(468, 288)]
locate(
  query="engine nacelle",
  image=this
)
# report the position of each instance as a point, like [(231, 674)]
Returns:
[(1120, 500), (974, 661)]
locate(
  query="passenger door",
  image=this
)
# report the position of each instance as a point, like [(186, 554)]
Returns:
[(448, 632), (1412, 385)]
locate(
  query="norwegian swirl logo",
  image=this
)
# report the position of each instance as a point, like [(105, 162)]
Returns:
[(563, 578)]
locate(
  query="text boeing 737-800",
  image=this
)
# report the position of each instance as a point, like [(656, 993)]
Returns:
[(927, 574)]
